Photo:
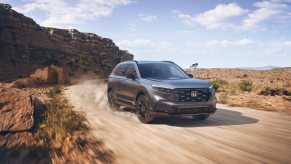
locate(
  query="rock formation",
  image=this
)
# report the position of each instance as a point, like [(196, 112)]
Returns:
[(26, 46), (16, 110), (51, 75)]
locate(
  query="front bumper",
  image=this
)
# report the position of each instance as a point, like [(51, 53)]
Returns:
[(197, 108), (166, 104)]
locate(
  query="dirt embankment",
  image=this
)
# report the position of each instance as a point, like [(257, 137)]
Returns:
[(39, 125), (232, 134)]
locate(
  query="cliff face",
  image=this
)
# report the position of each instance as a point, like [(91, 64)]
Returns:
[(25, 46)]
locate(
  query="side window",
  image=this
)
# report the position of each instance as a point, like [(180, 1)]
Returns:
[(116, 70), (131, 69), (123, 70), (120, 70)]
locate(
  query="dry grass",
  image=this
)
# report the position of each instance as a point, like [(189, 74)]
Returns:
[(59, 121)]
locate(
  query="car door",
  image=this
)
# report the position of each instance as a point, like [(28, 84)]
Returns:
[(119, 79), (129, 86)]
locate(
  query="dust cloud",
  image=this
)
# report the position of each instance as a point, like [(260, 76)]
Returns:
[(90, 94)]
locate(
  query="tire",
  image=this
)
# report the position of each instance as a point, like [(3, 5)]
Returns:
[(111, 102), (143, 109), (200, 117)]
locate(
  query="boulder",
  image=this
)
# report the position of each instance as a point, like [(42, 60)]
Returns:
[(51, 74), (62, 76), (16, 110)]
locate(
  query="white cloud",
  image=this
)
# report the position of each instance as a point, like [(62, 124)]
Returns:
[(219, 16), (65, 13), (266, 10), (147, 18), (273, 50), (243, 42), (285, 43), (222, 43), (187, 19), (277, 47), (145, 45), (232, 16)]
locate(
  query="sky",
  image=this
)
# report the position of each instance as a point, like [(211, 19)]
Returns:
[(212, 33)]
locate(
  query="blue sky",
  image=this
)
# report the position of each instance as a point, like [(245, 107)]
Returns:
[(213, 33)]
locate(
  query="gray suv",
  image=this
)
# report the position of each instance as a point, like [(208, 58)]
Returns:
[(159, 88)]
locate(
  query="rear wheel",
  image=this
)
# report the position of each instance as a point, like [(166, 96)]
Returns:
[(142, 109), (200, 117), (111, 102)]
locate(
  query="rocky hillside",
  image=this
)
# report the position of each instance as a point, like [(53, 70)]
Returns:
[(25, 46)]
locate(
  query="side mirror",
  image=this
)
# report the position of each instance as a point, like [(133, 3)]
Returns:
[(190, 75), (130, 76)]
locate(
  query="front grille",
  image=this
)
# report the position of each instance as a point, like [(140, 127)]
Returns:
[(192, 110), (184, 94)]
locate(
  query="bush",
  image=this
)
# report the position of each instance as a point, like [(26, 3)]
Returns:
[(55, 91), (272, 92), (218, 83), (59, 120), (245, 76), (246, 85)]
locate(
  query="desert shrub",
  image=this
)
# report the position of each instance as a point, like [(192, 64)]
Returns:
[(218, 83), (245, 75), (59, 120), (272, 92), (55, 91), (246, 85)]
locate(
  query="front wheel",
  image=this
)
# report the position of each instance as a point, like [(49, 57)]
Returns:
[(111, 102), (142, 109), (200, 117)]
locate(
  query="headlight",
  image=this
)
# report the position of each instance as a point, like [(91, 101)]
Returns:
[(161, 89), (211, 88)]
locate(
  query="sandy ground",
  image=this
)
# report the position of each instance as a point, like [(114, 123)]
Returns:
[(231, 135)]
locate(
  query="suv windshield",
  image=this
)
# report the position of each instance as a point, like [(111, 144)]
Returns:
[(161, 71)]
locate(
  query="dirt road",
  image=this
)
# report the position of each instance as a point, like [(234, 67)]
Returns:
[(232, 135)]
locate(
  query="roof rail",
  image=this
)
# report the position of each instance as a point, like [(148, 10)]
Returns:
[(167, 61)]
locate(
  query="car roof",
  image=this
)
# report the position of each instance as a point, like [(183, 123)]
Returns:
[(142, 61), (145, 61)]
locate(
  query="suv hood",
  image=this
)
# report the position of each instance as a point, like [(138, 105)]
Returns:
[(181, 83)]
